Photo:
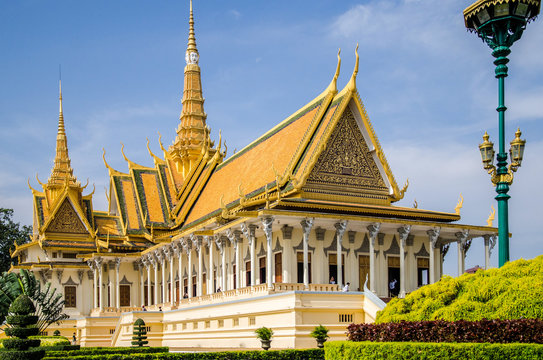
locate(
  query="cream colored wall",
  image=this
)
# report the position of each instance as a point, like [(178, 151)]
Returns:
[(291, 315)]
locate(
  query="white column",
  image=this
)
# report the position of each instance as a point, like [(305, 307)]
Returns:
[(148, 266), (155, 267), (219, 240), (189, 271), (433, 235), (170, 295), (267, 227), (198, 245), (462, 238), (117, 285), (373, 230), (100, 282), (142, 282), (210, 278), (179, 252), (164, 281), (340, 230), (487, 255), (307, 224), (403, 234), (249, 233), (95, 283), (238, 247)]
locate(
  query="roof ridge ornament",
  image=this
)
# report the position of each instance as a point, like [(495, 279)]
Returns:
[(333, 84), (352, 83)]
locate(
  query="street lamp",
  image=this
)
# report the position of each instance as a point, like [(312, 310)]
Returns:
[(499, 23)]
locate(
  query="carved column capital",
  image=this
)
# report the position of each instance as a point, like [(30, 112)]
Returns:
[(267, 223), (403, 232), (91, 265), (220, 241), (117, 263), (98, 263), (493, 241), (59, 275), (433, 235), (307, 224), (373, 230), (462, 238), (340, 226)]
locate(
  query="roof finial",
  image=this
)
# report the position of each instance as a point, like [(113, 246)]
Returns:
[(61, 129), (191, 46), (333, 83), (352, 83)]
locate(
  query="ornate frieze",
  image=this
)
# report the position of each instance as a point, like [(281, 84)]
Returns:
[(348, 161), (67, 221)]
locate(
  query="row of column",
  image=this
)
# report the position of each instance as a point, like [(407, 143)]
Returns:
[(96, 265)]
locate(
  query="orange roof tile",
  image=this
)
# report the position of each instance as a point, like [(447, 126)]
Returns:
[(252, 166)]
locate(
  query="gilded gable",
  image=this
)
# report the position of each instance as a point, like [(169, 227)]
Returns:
[(67, 221), (347, 166)]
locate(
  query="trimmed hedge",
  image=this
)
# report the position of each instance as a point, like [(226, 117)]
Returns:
[(309, 354), (107, 350), (514, 291), (51, 340), (344, 350), (490, 331), (31, 354)]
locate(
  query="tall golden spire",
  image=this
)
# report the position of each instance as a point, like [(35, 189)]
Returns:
[(192, 133), (62, 171)]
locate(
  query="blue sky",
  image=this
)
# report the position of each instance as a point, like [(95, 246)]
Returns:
[(427, 84)]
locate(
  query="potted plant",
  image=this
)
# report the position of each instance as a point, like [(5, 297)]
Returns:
[(264, 334), (320, 333)]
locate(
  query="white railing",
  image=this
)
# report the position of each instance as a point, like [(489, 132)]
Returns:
[(227, 295)]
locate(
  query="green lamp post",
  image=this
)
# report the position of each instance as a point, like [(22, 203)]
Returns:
[(499, 23)]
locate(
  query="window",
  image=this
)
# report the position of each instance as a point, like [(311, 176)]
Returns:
[(332, 267), (248, 273), (111, 331), (423, 271), (278, 268), (252, 320), (124, 292), (262, 267), (69, 255), (235, 322), (300, 261), (363, 270), (70, 297), (221, 323), (234, 277), (345, 318)]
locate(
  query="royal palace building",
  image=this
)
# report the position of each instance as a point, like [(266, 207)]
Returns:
[(206, 248)]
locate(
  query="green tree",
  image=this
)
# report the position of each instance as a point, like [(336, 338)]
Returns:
[(140, 333), (21, 323), (49, 304), (10, 233)]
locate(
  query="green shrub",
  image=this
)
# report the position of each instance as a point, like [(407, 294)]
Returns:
[(264, 333), (20, 344), (139, 337), (320, 332), (513, 291), (22, 325), (31, 354), (52, 340), (309, 354), (343, 350), (91, 351)]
